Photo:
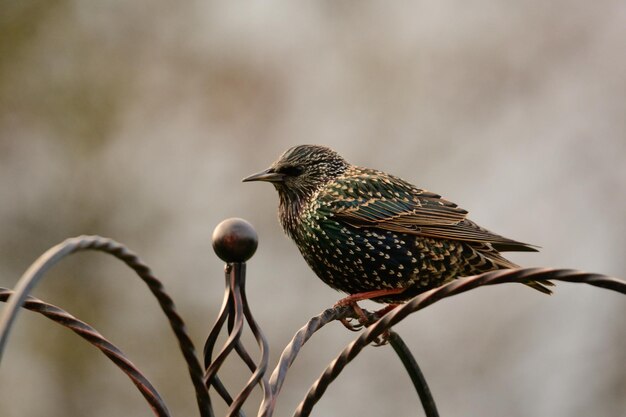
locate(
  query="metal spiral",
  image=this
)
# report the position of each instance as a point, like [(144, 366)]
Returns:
[(235, 241)]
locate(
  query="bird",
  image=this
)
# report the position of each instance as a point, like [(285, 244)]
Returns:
[(373, 235)]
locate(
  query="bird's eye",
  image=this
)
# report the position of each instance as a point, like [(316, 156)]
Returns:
[(290, 170)]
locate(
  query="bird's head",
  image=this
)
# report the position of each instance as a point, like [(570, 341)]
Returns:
[(301, 170)]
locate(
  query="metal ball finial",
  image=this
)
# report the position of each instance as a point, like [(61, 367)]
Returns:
[(235, 240)]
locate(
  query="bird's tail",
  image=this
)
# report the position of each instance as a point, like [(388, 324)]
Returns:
[(541, 286), (501, 262)]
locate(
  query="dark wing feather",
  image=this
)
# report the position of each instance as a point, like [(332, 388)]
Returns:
[(469, 231), (368, 197), (375, 199)]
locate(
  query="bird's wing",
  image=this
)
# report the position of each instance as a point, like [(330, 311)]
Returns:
[(469, 231), (373, 199)]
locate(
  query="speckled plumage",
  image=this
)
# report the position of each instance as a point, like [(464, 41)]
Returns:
[(363, 230)]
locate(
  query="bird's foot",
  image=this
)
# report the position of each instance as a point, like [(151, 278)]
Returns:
[(360, 316), (365, 320), (347, 323), (352, 300)]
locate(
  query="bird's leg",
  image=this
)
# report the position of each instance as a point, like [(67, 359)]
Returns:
[(385, 310), (364, 320), (353, 298), (360, 316)]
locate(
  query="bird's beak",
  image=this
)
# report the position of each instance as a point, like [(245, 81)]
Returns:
[(268, 175)]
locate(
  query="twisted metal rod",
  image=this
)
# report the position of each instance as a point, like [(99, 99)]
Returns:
[(258, 375), (239, 347), (226, 312), (429, 297), (36, 271), (291, 352), (415, 373), (92, 336), (235, 308)]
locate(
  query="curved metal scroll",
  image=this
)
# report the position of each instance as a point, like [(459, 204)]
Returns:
[(425, 299), (235, 241), (92, 336), (316, 323), (291, 352), (36, 271)]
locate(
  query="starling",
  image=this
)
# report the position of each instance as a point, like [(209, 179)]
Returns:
[(375, 236)]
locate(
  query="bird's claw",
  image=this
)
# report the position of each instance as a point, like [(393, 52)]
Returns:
[(365, 321), (358, 312), (347, 323)]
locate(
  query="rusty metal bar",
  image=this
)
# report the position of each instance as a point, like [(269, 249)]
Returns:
[(235, 241), (226, 312), (316, 323), (259, 375), (92, 336), (234, 310), (429, 297), (36, 271), (291, 352), (415, 373)]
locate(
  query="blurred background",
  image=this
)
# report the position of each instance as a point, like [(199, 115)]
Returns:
[(138, 120)]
